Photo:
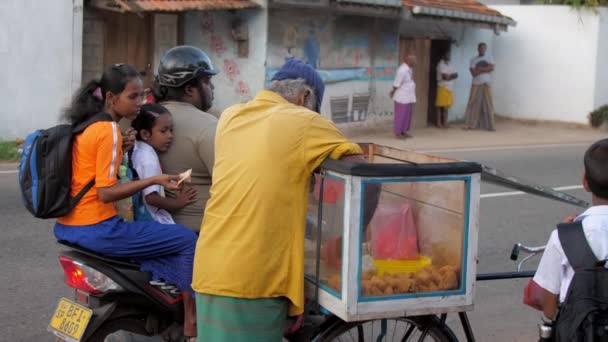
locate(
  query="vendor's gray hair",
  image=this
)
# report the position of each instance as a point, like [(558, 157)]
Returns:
[(291, 89)]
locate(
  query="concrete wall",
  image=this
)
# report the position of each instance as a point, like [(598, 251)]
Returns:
[(547, 69), (601, 82), (241, 77), (41, 59), (354, 55)]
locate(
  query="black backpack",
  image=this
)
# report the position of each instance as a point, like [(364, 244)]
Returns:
[(45, 172), (584, 314)]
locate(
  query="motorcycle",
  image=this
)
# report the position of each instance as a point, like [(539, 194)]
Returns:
[(112, 294)]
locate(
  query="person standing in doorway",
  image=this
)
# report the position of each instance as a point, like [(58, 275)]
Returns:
[(404, 96), (445, 88), (480, 109)]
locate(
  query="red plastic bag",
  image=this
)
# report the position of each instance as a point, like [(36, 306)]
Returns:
[(394, 234), (532, 294), (333, 189), (331, 252)]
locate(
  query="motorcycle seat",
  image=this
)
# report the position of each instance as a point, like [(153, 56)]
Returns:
[(112, 260)]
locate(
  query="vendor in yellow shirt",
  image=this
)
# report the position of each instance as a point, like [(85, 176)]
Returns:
[(249, 261)]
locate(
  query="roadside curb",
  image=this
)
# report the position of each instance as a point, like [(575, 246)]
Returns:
[(9, 167)]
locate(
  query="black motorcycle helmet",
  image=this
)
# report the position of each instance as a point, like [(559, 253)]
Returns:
[(181, 64)]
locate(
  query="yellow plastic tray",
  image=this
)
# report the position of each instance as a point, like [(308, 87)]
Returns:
[(401, 266)]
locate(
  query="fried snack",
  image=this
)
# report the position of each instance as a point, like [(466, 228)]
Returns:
[(392, 281), (377, 281), (424, 276), (436, 276), (375, 291), (366, 287), (367, 275), (405, 285), (448, 278), (388, 291), (335, 282), (428, 279), (418, 287), (405, 276), (432, 287)]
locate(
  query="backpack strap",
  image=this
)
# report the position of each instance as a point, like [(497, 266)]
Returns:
[(82, 192), (575, 245), (80, 127)]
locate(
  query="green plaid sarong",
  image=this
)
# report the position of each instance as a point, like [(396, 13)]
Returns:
[(232, 319)]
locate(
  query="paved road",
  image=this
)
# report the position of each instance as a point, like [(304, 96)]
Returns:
[(34, 280), (499, 314)]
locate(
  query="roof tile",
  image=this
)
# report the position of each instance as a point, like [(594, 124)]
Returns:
[(188, 5), (469, 6)]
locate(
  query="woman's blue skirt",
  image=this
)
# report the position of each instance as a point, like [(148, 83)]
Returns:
[(165, 250)]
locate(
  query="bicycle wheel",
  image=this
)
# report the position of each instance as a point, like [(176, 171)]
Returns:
[(420, 328)]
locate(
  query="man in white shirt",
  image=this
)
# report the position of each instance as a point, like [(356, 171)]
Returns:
[(445, 87), (480, 108), (554, 273), (404, 96)]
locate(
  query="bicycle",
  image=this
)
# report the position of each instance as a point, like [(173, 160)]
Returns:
[(321, 326)]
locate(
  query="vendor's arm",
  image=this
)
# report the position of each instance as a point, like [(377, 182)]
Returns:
[(372, 192), (323, 140)]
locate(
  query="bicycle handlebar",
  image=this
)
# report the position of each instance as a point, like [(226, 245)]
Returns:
[(505, 275)]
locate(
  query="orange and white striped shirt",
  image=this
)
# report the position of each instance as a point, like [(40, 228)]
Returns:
[(96, 154)]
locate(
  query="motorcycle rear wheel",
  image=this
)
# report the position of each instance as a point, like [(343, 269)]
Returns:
[(134, 325)]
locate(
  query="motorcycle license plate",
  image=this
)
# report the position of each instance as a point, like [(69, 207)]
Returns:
[(70, 320)]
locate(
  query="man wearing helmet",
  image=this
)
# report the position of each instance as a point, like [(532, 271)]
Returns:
[(183, 85)]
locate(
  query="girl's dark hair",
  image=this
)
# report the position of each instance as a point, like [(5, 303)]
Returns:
[(147, 117), (87, 102), (164, 93)]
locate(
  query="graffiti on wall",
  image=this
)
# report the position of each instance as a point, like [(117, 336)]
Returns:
[(215, 29), (341, 48)]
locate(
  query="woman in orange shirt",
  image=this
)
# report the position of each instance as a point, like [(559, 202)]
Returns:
[(166, 251)]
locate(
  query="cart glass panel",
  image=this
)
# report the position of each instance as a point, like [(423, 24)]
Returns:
[(332, 231), (415, 242)]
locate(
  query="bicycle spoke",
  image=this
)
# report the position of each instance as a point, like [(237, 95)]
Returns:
[(394, 330), (360, 334), (403, 330), (372, 336), (408, 333), (351, 335), (423, 335)]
